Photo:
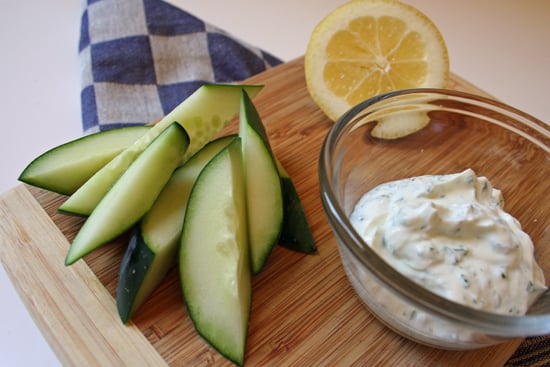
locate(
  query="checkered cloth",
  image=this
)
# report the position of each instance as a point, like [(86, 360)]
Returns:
[(141, 58)]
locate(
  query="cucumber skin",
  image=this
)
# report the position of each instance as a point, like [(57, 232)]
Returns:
[(190, 114), (295, 234), (149, 257), (196, 236), (122, 207), (133, 269), (66, 167)]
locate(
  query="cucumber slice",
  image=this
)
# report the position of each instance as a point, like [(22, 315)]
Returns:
[(264, 198), (152, 250), (65, 168), (133, 194), (214, 264), (295, 234), (203, 115)]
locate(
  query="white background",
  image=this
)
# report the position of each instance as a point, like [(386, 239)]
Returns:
[(499, 45)]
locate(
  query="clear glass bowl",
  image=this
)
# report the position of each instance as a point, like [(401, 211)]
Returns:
[(509, 147)]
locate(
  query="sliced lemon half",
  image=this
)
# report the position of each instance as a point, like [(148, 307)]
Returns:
[(368, 47)]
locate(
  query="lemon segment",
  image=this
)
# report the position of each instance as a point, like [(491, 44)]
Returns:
[(368, 47)]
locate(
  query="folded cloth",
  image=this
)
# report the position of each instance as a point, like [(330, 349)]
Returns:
[(141, 58)]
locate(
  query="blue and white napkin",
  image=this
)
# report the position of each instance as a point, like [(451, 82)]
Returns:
[(141, 58)]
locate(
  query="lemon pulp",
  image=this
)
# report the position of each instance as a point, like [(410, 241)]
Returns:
[(369, 47)]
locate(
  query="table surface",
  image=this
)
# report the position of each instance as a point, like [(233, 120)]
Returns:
[(499, 45)]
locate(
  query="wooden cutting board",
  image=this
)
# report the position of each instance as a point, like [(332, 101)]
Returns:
[(304, 313)]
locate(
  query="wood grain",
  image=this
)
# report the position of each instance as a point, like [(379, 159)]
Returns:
[(304, 311), (74, 311)]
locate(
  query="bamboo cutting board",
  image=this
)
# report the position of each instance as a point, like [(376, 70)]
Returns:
[(304, 313)]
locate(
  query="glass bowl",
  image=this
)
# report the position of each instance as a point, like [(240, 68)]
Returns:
[(509, 147)]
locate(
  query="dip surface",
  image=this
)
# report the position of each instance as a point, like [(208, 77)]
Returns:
[(450, 234)]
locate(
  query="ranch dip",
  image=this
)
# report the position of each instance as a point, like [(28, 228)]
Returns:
[(450, 234)]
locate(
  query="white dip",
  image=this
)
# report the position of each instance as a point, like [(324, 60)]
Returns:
[(451, 235)]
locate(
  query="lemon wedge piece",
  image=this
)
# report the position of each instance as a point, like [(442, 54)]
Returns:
[(368, 47)]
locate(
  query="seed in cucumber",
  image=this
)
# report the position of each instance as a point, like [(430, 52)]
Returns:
[(63, 169), (133, 194), (203, 115), (264, 198), (153, 247), (295, 234), (214, 264)]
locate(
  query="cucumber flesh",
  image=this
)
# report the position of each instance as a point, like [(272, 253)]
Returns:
[(264, 198), (63, 169), (214, 264), (203, 115), (295, 234), (153, 246), (162, 224), (133, 194)]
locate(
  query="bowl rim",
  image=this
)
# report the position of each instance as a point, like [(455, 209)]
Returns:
[(506, 326)]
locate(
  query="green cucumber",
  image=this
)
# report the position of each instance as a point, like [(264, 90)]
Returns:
[(63, 169), (133, 194), (295, 234), (214, 265), (203, 115), (264, 197), (153, 246)]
